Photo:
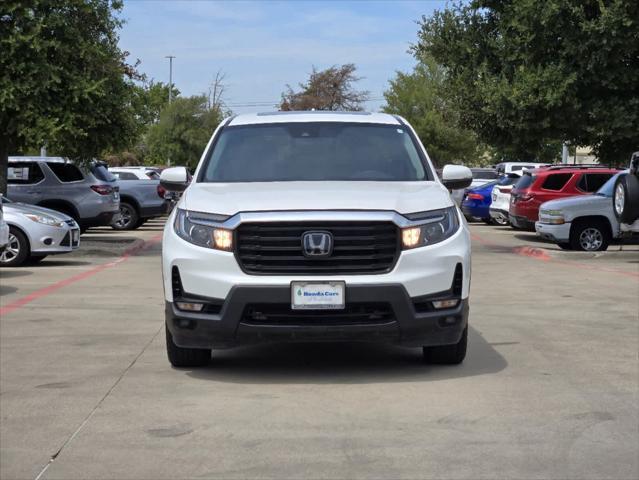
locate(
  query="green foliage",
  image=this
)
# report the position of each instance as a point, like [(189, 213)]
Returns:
[(63, 79), (182, 132), (527, 74), (330, 89), (418, 97), (149, 101)]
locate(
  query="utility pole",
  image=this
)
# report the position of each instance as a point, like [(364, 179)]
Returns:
[(170, 57)]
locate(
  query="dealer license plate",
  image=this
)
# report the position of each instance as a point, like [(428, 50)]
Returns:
[(75, 236), (317, 295)]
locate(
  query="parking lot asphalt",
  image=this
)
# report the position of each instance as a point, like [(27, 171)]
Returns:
[(549, 389)]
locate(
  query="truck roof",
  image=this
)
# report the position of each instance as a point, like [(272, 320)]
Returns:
[(313, 116)]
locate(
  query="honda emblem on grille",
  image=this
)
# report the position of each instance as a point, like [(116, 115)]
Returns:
[(317, 244)]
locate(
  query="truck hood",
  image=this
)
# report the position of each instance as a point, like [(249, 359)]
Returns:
[(581, 202), (232, 198)]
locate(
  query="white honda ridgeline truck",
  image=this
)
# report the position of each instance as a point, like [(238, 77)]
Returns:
[(315, 226)]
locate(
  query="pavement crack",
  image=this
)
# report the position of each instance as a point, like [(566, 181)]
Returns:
[(97, 405)]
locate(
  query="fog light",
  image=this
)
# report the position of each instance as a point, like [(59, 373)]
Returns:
[(450, 320), (440, 304), (190, 307)]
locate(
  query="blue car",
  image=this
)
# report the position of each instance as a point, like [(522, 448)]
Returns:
[(477, 201)]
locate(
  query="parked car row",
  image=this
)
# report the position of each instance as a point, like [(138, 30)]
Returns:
[(579, 207), (50, 201)]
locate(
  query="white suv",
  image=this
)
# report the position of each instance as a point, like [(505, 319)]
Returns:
[(315, 226)]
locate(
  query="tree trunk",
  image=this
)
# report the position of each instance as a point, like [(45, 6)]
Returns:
[(4, 164)]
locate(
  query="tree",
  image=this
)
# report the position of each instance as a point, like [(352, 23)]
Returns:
[(419, 97), (183, 131), (150, 99), (330, 89), (527, 74), (63, 79)]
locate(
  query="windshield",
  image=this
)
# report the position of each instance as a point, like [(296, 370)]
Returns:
[(607, 189), (314, 152)]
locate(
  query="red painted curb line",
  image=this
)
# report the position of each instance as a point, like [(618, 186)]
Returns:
[(540, 254), (43, 292)]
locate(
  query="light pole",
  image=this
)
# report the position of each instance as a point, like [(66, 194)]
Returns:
[(170, 57)]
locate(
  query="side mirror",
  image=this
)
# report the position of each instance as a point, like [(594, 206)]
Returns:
[(455, 177), (175, 179)]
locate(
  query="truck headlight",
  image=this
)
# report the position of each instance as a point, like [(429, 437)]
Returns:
[(552, 217), (434, 226), (196, 228), (45, 220)]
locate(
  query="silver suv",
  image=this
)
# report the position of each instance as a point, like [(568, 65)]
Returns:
[(90, 196)]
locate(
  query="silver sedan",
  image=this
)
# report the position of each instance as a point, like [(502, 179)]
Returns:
[(35, 232)]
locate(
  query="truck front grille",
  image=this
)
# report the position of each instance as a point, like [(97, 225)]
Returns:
[(358, 248)]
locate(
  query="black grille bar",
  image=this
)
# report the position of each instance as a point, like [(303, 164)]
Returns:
[(276, 248), (353, 314), (66, 241)]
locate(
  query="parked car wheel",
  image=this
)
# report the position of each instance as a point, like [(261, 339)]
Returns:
[(185, 357), (626, 198), (16, 251), (128, 219), (590, 236), (448, 354), (500, 220)]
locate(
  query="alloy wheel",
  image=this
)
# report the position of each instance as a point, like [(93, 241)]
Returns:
[(125, 217), (500, 220), (12, 250), (591, 239)]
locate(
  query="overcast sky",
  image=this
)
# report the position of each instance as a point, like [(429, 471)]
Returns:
[(263, 45)]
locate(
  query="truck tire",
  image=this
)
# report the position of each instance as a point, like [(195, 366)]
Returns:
[(128, 219), (17, 250), (590, 236), (185, 357), (625, 198), (448, 354)]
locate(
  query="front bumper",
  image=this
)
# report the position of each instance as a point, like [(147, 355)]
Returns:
[(411, 321), (554, 233), (53, 240)]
